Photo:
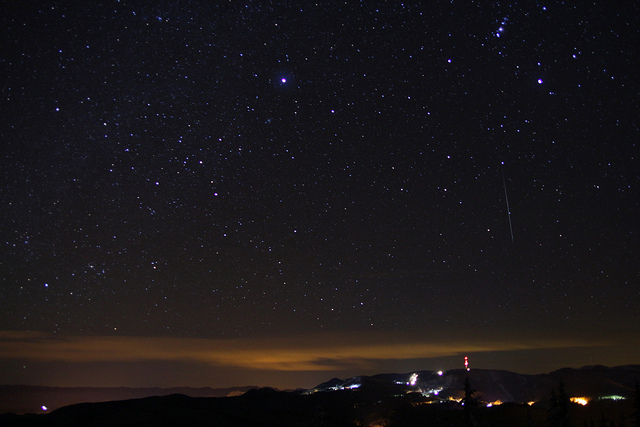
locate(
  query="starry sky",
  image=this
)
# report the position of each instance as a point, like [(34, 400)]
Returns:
[(275, 193)]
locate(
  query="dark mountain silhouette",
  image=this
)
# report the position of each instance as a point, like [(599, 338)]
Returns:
[(505, 386), (24, 399), (423, 398)]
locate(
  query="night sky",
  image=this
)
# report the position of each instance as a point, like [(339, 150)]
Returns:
[(275, 193)]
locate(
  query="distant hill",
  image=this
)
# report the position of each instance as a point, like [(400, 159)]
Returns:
[(497, 385), (22, 399), (424, 398)]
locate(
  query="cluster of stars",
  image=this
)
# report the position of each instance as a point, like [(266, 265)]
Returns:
[(233, 170)]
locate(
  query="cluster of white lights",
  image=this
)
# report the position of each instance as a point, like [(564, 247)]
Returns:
[(349, 387), (413, 380), (433, 391), (613, 397)]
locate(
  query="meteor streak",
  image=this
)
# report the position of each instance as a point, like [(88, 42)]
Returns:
[(506, 198)]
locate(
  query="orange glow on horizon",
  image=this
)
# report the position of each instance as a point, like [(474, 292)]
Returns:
[(320, 352), (580, 400)]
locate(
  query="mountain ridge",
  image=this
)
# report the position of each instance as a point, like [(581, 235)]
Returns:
[(404, 399), (22, 399)]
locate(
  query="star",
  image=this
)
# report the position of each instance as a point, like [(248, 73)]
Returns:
[(344, 143)]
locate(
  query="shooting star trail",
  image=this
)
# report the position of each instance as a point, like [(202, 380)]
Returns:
[(506, 198)]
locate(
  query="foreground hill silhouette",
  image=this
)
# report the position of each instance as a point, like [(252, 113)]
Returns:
[(25, 399), (423, 398)]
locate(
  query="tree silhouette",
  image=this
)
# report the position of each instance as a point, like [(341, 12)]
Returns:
[(558, 413), (603, 421), (468, 399), (636, 407), (469, 402)]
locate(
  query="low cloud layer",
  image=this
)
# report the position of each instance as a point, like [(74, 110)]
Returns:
[(321, 352)]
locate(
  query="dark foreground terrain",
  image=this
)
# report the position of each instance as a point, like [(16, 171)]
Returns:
[(267, 407), (383, 400), (28, 399)]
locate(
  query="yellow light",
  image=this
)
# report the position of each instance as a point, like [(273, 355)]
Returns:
[(580, 400)]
